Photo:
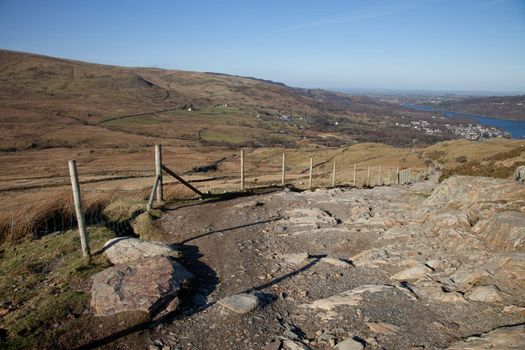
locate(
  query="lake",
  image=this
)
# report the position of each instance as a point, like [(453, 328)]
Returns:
[(515, 128)]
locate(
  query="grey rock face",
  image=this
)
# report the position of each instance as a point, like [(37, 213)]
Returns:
[(146, 286)]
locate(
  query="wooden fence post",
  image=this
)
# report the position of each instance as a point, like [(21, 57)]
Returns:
[(379, 177), (311, 170), (333, 176), (368, 177), (355, 170), (152, 195), (78, 207), (397, 176), (242, 170), (389, 175), (283, 172), (158, 173)]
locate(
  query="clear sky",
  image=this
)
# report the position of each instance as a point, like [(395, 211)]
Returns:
[(418, 44)]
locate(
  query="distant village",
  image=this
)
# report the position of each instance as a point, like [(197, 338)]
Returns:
[(469, 131)]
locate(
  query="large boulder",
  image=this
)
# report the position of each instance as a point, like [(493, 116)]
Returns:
[(519, 175), (125, 250), (504, 231), (146, 286)]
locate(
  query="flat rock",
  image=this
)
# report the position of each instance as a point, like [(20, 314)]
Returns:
[(504, 338), (335, 262), (351, 297), (310, 217), (472, 277), (240, 303), (294, 345), (295, 259), (145, 286), (125, 250), (412, 273), (371, 257), (383, 328), (349, 344), (488, 294)]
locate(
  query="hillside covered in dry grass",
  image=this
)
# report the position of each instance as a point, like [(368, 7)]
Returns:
[(51, 102)]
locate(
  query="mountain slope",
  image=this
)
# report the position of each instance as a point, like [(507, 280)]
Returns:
[(42, 97), (503, 107)]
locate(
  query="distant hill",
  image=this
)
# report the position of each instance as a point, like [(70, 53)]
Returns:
[(41, 96), (503, 107), (90, 91)]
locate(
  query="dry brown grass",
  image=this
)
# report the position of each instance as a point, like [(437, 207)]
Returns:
[(55, 212)]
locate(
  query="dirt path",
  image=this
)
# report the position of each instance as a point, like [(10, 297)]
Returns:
[(369, 236)]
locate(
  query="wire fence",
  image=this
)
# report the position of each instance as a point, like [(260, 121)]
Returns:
[(48, 209)]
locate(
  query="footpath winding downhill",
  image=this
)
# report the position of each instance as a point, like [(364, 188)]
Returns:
[(420, 266)]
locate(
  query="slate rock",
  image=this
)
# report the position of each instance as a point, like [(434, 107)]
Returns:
[(295, 259), (240, 303), (349, 344), (413, 273), (125, 250), (145, 286), (487, 294)]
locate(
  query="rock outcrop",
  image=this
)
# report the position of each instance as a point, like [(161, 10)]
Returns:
[(125, 250), (504, 231), (507, 338), (145, 286), (464, 191)]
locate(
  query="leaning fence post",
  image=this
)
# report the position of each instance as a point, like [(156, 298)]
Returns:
[(355, 170), (242, 170), (311, 170), (379, 177), (283, 171), (368, 177), (78, 207), (158, 173), (333, 176), (153, 190)]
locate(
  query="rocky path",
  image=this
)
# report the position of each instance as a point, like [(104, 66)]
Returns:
[(383, 268)]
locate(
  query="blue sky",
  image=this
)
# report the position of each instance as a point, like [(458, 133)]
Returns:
[(419, 44)]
